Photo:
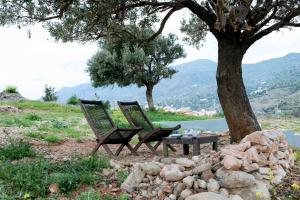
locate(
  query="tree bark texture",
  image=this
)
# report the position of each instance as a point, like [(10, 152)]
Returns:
[(149, 90), (232, 94)]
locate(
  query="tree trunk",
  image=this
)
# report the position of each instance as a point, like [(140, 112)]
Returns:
[(231, 90), (150, 97)]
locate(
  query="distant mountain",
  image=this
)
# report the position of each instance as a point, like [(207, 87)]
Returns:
[(195, 85)]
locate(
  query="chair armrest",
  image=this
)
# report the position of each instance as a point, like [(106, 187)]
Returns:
[(129, 129), (171, 128)]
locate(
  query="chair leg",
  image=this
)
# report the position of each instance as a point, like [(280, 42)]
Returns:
[(131, 149), (151, 148), (138, 145), (157, 145), (119, 149), (107, 149), (96, 148), (172, 148)]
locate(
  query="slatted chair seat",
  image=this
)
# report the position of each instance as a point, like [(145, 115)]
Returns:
[(137, 118), (104, 128)]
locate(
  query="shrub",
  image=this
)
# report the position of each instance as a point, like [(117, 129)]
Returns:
[(33, 117), (58, 124), (73, 100), (121, 176), (11, 89), (16, 151)]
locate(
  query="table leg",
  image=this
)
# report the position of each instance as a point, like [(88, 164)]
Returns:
[(185, 149), (215, 146), (196, 147), (165, 148)]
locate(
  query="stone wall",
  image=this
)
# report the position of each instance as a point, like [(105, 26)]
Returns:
[(239, 171)]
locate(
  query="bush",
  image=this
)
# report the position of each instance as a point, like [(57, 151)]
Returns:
[(11, 89), (16, 151), (33, 117), (73, 100), (58, 124)]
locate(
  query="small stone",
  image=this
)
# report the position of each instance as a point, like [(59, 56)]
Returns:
[(206, 175), (134, 179), (188, 181), (264, 170), (178, 189), (206, 196), (167, 189), (185, 162), (201, 168), (54, 188), (151, 168), (213, 185), (172, 173), (252, 154), (224, 192), (235, 197), (185, 193), (172, 197), (232, 163), (202, 184)]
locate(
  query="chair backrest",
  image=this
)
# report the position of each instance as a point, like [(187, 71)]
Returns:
[(97, 116), (136, 116)]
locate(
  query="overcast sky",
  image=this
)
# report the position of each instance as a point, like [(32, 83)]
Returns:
[(29, 64)]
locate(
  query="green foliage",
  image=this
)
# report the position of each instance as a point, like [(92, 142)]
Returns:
[(42, 136), (58, 124), (33, 178), (11, 89), (17, 150), (121, 176), (73, 100), (90, 194), (50, 94), (33, 117), (127, 61)]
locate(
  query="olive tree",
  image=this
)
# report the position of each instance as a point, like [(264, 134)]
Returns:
[(236, 24)]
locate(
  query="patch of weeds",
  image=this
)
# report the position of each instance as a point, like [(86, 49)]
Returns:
[(90, 194), (16, 150), (58, 124), (111, 197), (121, 176), (69, 181), (25, 178), (33, 117), (44, 137)]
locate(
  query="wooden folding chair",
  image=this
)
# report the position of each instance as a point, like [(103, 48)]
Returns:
[(104, 128), (137, 118)]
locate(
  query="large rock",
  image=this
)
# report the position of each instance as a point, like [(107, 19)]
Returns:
[(134, 179), (231, 163), (259, 191), (172, 173), (185, 193), (252, 154), (201, 168), (257, 137), (234, 179), (152, 168), (188, 181), (206, 196)]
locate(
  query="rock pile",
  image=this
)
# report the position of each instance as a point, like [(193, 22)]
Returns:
[(4, 96), (239, 171)]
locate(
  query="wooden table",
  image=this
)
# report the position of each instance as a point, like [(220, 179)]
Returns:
[(190, 140)]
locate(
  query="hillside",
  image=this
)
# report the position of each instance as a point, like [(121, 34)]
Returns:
[(271, 83)]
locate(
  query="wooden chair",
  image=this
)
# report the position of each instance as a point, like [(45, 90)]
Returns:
[(137, 118), (104, 128)]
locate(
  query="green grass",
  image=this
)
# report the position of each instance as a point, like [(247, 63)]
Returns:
[(11, 89), (33, 178), (121, 176), (15, 151)]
